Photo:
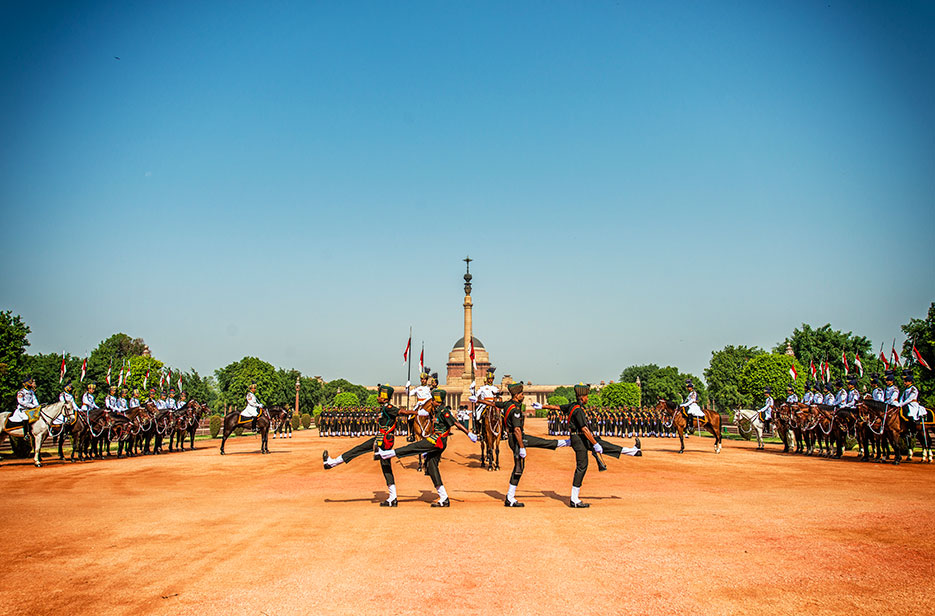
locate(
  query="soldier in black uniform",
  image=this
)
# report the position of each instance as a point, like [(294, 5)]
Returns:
[(519, 440), (432, 447), (582, 439), (388, 416)]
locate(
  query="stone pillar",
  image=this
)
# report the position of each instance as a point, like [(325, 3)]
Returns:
[(468, 337)]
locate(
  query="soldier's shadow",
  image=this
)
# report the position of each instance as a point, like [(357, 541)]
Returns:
[(425, 496), (564, 499)]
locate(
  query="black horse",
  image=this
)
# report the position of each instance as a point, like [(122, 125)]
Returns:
[(232, 421)]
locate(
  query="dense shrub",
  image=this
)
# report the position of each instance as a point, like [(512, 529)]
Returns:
[(296, 422), (620, 394), (557, 400), (238, 431), (215, 424), (346, 399), (306, 420)]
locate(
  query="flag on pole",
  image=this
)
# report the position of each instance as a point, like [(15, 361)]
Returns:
[(858, 363), (109, 366), (793, 373), (826, 373), (180, 381), (169, 378), (847, 368), (919, 359), (406, 350), (896, 355), (61, 371), (422, 359), (473, 363), (886, 364), (146, 378), (120, 377), (84, 368), (811, 368), (162, 377)]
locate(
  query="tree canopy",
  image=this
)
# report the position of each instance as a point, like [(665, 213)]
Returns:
[(921, 332), (723, 376), (770, 370), (13, 361), (620, 394), (663, 383)]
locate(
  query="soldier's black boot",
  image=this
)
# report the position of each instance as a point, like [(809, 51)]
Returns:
[(253, 424)]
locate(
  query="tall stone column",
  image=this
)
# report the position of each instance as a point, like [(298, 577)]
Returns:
[(468, 335)]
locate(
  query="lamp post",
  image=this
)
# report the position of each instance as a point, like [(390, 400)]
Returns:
[(297, 387)]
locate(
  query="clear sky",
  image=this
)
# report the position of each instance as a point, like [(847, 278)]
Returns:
[(637, 181)]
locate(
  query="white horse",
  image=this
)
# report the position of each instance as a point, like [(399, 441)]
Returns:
[(39, 429), (753, 418)]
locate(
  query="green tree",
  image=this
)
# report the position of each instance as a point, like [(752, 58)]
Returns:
[(770, 370), (234, 381), (200, 388), (723, 376), (139, 365), (630, 374), (620, 394), (826, 344), (112, 352), (557, 400), (46, 368), (346, 399), (921, 332), (565, 392), (331, 388), (663, 383), (13, 360)]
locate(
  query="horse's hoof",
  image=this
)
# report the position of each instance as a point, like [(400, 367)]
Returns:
[(682, 451)]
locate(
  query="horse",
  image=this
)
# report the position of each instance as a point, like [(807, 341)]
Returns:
[(492, 426), (891, 424), (195, 415), (752, 418), (232, 421), (39, 428), (423, 426), (925, 434), (281, 416), (712, 422)]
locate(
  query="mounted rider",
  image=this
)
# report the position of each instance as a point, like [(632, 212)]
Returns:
[(841, 397), (486, 397), (87, 400), (135, 400), (25, 401), (253, 406), (877, 393), (68, 399), (691, 404), (161, 401), (171, 404), (891, 395), (791, 396), (910, 398), (110, 400), (807, 396), (850, 401), (767, 410), (183, 401), (122, 402), (829, 395), (423, 394)]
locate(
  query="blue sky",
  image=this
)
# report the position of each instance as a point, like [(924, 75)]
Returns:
[(638, 182)]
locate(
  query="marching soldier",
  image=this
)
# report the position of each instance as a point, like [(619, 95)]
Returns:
[(25, 401), (432, 447), (518, 440), (582, 439), (387, 425)]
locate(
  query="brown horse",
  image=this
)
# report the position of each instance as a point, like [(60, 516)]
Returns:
[(492, 426), (674, 417), (423, 426), (886, 422), (232, 421)]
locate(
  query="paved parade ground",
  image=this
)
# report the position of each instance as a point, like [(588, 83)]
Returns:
[(743, 532)]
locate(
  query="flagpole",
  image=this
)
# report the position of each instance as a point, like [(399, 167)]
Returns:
[(409, 368)]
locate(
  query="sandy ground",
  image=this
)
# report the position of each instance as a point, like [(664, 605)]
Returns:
[(743, 532)]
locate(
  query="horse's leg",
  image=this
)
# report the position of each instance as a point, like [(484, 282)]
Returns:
[(37, 441), (681, 433), (497, 465)]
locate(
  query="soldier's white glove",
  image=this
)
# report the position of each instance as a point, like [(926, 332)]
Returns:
[(522, 452), (408, 384), (563, 442), (598, 448), (472, 436), (472, 398), (423, 413), (386, 454), (536, 405)]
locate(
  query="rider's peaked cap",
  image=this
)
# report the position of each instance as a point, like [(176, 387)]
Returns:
[(439, 395), (515, 388), (27, 379), (768, 390), (889, 375), (907, 375), (688, 383), (582, 390)]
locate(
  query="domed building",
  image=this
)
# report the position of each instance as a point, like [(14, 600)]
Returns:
[(456, 365)]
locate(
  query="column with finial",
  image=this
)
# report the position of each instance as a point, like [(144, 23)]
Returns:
[(468, 335)]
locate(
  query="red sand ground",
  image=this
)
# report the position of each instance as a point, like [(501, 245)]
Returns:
[(743, 532)]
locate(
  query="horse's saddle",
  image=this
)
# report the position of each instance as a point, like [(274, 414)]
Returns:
[(241, 420), (762, 417), (927, 417), (33, 414)]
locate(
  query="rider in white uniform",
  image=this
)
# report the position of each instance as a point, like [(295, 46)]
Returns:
[(161, 402), (87, 400), (829, 395), (877, 393), (891, 395), (486, 396), (69, 401), (910, 398), (110, 400), (791, 397), (253, 406), (135, 400), (807, 396), (170, 401), (25, 401), (767, 409), (122, 402), (691, 403)]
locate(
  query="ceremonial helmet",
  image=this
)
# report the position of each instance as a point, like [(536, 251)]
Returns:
[(124, 391), (438, 395), (582, 390), (384, 393), (489, 377), (689, 384), (515, 388), (136, 393), (152, 391), (852, 380), (112, 389), (874, 380), (907, 375), (433, 380), (838, 383), (171, 391), (424, 375), (889, 376), (92, 386), (67, 386), (768, 390)]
